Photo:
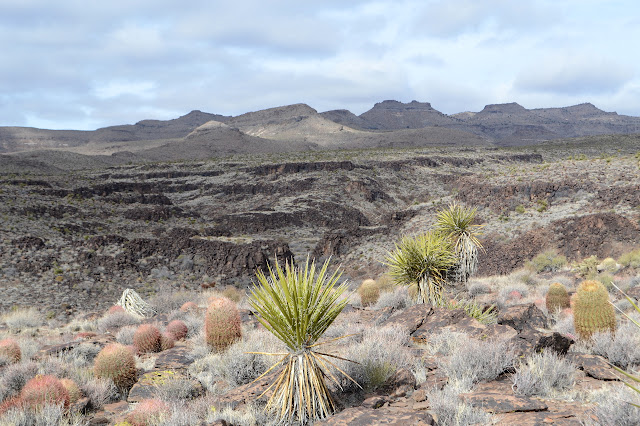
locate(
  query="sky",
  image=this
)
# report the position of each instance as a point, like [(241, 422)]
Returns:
[(77, 64)]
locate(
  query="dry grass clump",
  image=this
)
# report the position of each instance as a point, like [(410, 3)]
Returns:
[(398, 299), (613, 406), (451, 410), (381, 353), (621, 348), (116, 320), (22, 319), (165, 302), (544, 374)]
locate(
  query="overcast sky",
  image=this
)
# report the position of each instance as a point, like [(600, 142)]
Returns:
[(87, 64)]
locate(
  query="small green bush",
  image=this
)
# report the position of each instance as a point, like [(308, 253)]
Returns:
[(520, 209), (587, 268), (548, 261), (631, 259)]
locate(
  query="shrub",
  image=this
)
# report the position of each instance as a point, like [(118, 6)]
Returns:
[(613, 408), (369, 292), (147, 338), (117, 320), (14, 377), (116, 362), (43, 390), (587, 268), (478, 361), (478, 288), (233, 294), (606, 279), (20, 319), (99, 391), (592, 311), (165, 302), (451, 410), (621, 348), (297, 305), (544, 374), (397, 299), (455, 223), (557, 298), (148, 412), (631, 259), (609, 265), (222, 324), (125, 334), (548, 261), (424, 260), (380, 354), (10, 350)]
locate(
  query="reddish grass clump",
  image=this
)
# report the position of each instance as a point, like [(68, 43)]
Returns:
[(114, 309), (188, 307), (178, 328), (42, 390), (148, 412), (10, 349)]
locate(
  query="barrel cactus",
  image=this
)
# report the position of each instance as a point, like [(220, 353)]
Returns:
[(72, 387), (557, 298), (147, 338), (222, 324), (369, 292), (42, 390), (592, 311), (167, 341), (116, 362), (10, 350), (178, 328)]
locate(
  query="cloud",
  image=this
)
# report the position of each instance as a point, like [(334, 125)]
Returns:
[(574, 75)]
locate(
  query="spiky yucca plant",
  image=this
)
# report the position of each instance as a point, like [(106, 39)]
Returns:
[(423, 260), (637, 324), (297, 305), (456, 223)]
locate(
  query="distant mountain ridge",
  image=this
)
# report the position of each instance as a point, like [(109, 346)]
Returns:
[(300, 127)]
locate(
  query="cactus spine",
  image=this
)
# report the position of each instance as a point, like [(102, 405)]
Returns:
[(557, 298), (116, 362), (369, 292), (592, 311), (222, 324)]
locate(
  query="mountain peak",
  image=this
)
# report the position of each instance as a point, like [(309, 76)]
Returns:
[(509, 108)]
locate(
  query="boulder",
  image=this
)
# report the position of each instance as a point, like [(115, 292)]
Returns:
[(523, 316)]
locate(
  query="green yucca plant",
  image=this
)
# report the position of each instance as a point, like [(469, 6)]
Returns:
[(456, 223), (297, 305), (620, 370), (423, 260)]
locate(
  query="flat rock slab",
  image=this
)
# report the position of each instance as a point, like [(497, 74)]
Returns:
[(362, 416), (594, 366), (538, 419), (146, 386), (411, 318), (523, 316), (175, 358), (501, 403)]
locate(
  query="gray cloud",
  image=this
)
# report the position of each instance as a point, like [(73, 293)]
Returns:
[(88, 65)]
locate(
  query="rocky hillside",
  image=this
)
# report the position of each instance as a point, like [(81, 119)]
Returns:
[(87, 234)]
